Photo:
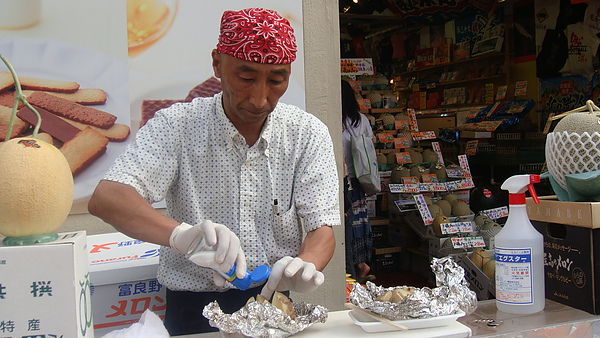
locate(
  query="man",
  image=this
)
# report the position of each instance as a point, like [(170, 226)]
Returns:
[(237, 171)]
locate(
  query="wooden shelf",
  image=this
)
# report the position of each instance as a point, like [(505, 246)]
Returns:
[(379, 221), (450, 83), (453, 63)]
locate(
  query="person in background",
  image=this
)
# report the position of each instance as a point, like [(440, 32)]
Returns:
[(359, 237), (250, 177)]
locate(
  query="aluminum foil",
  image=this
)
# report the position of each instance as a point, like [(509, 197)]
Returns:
[(264, 320), (451, 294)]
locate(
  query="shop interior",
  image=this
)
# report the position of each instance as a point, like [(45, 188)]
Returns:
[(480, 81)]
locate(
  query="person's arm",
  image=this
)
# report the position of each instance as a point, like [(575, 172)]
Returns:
[(121, 206), (318, 247), (303, 273)]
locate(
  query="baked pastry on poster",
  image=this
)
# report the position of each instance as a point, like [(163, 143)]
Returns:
[(56, 60)]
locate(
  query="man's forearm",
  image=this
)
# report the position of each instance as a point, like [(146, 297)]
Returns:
[(122, 207), (318, 247)]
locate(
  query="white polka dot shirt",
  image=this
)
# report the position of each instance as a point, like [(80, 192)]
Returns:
[(193, 157)]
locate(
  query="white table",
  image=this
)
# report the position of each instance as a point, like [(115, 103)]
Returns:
[(556, 320), (339, 324)]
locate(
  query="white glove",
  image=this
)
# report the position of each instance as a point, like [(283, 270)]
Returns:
[(292, 274), (188, 240)]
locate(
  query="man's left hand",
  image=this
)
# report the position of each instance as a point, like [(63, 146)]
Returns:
[(292, 274)]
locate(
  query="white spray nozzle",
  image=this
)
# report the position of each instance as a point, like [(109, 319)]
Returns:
[(519, 184)]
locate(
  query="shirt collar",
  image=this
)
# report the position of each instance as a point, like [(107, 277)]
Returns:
[(230, 133)]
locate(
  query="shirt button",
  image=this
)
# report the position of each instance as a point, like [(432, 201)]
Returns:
[(247, 204)]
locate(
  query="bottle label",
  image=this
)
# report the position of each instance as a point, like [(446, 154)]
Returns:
[(514, 282)]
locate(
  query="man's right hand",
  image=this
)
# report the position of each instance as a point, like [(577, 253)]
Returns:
[(187, 239)]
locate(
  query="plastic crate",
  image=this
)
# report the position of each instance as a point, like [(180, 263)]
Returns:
[(506, 155), (508, 136), (531, 168), (485, 152), (536, 135), (532, 154)]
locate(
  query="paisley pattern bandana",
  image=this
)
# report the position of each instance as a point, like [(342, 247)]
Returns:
[(257, 35)]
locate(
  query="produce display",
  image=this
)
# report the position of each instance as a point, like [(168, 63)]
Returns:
[(572, 155)]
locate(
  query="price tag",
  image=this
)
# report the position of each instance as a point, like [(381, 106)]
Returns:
[(458, 242), (425, 187), (439, 187), (521, 88), (453, 185), (395, 187), (468, 242), (402, 202), (411, 188), (423, 135), (467, 183), (456, 227), (464, 164), (412, 116), (423, 209), (448, 228), (454, 173), (438, 151), (476, 242), (471, 148), (496, 213), (501, 93)]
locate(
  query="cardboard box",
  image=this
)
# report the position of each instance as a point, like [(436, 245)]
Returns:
[(482, 285), (45, 289), (571, 258), (571, 250), (123, 276), (552, 210)]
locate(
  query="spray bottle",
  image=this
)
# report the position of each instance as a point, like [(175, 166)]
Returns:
[(204, 255), (519, 253)]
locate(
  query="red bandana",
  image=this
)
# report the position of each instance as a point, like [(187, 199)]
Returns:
[(257, 35)]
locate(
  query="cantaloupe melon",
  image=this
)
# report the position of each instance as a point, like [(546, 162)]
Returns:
[(36, 188)]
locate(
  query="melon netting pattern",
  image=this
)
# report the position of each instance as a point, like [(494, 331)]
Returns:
[(571, 153)]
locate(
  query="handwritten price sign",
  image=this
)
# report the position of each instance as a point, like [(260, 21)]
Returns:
[(456, 227), (468, 242), (496, 213)]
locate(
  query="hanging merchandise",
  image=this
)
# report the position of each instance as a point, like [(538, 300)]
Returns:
[(519, 253)]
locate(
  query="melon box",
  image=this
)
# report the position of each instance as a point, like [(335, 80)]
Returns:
[(45, 289), (123, 277), (571, 233)]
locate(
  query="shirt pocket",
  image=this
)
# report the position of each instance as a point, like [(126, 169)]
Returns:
[(286, 229)]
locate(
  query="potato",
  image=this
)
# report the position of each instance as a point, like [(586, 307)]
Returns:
[(261, 299), (400, 293), (386, 297), (283, 303)]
